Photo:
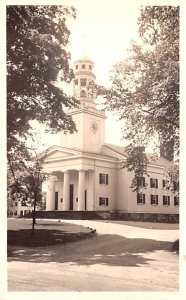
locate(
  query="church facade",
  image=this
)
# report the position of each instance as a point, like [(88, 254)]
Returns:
[(85, 172)]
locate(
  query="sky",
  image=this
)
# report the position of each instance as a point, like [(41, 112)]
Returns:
[(102, 31)]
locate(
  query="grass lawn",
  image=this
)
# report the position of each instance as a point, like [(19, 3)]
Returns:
[(149, 225), (46, 233)]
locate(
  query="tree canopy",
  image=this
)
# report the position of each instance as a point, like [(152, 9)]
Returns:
[(145, 86), (37, 37)]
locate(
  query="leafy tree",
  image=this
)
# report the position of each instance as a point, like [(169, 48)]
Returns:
[(136, 162), (25, 181), (37, 56), (145, 86), (37, 37)]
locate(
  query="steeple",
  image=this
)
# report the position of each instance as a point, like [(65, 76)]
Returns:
[(84, 76), (90, 121)]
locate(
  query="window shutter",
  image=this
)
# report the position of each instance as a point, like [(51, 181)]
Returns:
[(143, 181), (106, 201), (156, 183), (143, 198), (100, 177), (106, 178), (157, 199), (175, 185), (176, 200), (99, 200), (138, 181), (163, 200), (163, 183), (151, 199), (151, 184), (168, 200)]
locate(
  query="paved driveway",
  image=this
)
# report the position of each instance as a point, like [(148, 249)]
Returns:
[(119, 258)]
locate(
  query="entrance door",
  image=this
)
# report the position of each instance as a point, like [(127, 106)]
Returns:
[(85, 199), (56, 200), (71, 196)]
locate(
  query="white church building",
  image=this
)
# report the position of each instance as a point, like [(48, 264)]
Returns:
[(86, 173)]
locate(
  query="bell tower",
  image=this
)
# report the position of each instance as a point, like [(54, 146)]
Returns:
[(90, 122), (83, 78)]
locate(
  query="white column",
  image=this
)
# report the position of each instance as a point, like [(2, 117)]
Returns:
[(91, 191), (74, 91), (66, 191), (81, 190), (50, 197)]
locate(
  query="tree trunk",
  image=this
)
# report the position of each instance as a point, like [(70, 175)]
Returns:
[(34, 215)]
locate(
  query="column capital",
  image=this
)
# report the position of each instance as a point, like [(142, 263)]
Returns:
[(66, 172), (51, 177), (81, 170)]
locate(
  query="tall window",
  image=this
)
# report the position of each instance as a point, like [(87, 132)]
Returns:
[(165, 184), (103, 178), (153, 183), (154, 199), (140, 198), (83, 66), (90, 67), (176, 201), (175, 185), (103, 201), (166, 200), (141, 181)]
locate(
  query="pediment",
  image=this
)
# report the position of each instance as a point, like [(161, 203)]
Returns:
[(55, 152)]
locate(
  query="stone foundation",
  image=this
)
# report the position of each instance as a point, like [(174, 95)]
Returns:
[(107, 215)]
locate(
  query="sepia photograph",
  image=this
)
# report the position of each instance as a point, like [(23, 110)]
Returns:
[(92, 149)]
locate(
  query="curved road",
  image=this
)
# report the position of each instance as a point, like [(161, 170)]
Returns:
[(118, 258)]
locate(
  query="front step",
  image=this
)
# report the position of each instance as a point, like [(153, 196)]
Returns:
[(73, 215)]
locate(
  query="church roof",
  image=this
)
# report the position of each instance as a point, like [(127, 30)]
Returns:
[(118, 149), (152, 160)]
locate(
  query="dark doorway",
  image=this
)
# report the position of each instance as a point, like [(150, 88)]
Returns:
[(71, 196), (85, 199), (56, 200)]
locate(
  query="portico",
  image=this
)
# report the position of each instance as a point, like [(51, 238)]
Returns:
[(70, 190)]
